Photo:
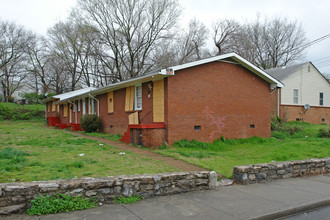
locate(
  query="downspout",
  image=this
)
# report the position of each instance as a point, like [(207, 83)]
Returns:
[(98, 104), (278, 102), (74, 108)]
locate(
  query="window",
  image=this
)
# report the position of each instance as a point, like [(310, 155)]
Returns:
[(84, 107), (129, 100), (309, 68), (138, 97), (92, 106), (295, 96), (78, 105), (65, 110), (321, 98), (110, 102), (53, 106)]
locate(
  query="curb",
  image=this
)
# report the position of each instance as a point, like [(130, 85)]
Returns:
[(293, 210)]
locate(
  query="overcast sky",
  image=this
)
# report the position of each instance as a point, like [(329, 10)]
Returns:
[(39, 15)]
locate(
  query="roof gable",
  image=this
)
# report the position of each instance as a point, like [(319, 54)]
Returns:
[(281, 73)]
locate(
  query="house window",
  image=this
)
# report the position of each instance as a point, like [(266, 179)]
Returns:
[(83, 107), (321, 98), (78, 105), (138, 97), (110, 102), (309, 68), (92, 106), (295, 96), (53, 106), (65, 110)]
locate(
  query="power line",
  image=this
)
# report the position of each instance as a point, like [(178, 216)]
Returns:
[(315, 41)]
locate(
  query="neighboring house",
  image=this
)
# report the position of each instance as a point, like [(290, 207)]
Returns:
[(203, 100), (65, 114), (306, 95), (21, 89)]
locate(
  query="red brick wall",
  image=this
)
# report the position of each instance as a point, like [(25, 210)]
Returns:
[(64, 120), (119, 118), (224, 99), (151, 137), (51, 113), (314, 115)]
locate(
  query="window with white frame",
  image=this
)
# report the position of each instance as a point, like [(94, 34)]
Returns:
[(92, 108), (83, 107), (295, 96), (78, 105), (138, 97), (321, 98)]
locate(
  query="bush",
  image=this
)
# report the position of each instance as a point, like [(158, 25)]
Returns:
[(18, 112), (91, 123), (59, 203), (4, 112), (276, 123), (324, 132)]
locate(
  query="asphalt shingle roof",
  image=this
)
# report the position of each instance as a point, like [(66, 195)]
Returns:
[(281, 73)]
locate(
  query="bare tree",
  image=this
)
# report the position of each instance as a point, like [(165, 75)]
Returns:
[(283, 43), (65, 44), (129, 31), (267, 44), (186, 46), (225, 34), (13, 40), (38, 64)]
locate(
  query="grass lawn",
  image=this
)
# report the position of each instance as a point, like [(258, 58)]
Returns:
[(294, 141), (29, 151)]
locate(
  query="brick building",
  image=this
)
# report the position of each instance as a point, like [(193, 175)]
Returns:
[(306, 95), (203, 100)]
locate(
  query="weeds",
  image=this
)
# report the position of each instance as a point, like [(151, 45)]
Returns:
[(324, 132), (290, 141), (59, 203), (128, 200)]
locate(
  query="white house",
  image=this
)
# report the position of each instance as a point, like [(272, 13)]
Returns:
[(306, 88)]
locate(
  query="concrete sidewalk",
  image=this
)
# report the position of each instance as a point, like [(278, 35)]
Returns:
[(258, 201)]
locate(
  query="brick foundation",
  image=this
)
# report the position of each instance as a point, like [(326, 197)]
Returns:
[(314, 115)]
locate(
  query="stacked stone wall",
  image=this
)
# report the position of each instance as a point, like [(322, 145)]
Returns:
[(281, 170), (15, 197)]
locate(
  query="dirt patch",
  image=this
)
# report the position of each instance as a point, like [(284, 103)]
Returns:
[(179, 164)]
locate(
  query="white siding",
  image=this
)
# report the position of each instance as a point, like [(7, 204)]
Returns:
[(309, 85)]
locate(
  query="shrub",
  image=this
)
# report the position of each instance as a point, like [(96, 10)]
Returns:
[(4, 112), (18, 112), (324, 132), (59, 203), (91, 123), (276, 123)]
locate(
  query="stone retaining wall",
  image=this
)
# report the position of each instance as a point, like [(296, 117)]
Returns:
[(271, 171), (15, 197)]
